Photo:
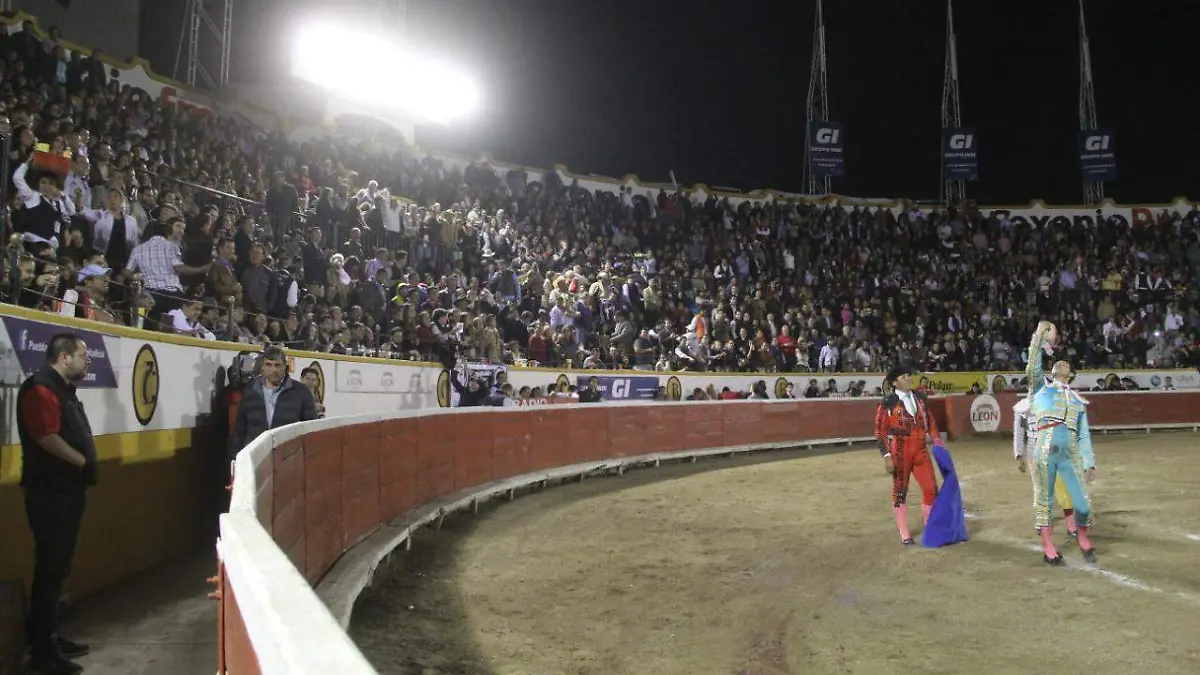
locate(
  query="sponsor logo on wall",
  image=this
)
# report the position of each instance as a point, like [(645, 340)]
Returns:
[(31, 338), (616, 388), (781, 387), (443, 389), (316, 365), (366, 378), (985, 414), (146, 382), (674, 389)]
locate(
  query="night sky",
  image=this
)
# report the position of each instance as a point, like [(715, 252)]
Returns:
[(644, 87)]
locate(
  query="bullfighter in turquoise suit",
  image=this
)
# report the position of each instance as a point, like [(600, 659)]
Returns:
[(1061, 447)]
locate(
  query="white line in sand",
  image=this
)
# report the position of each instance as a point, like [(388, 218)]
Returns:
[(1116, 578)]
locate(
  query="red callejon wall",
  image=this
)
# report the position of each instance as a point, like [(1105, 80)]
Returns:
[(1104, 409), (321, 493), (331, 488)]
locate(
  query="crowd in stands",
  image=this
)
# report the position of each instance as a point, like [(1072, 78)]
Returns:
[(207, 226)]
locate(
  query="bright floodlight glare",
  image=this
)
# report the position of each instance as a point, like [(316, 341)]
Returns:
[(373, 71)]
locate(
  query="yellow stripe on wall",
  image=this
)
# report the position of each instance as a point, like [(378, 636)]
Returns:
[(127, 448)]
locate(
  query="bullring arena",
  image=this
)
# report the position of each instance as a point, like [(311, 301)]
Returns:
[(645, 533), (789, 563)]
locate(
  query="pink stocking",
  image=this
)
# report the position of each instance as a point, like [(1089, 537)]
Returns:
[(1084, 543), (902, 520), (926, 509), (1048, 544), (1071, 522)]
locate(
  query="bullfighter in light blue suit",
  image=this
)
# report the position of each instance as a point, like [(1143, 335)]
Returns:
[(1062, 445)]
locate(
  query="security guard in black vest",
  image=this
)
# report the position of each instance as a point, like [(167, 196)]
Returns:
[(58, 457)]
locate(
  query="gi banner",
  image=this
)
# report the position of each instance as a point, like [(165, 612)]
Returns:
[(960, 154), (825, 149), (1097, 155), (616, 388)]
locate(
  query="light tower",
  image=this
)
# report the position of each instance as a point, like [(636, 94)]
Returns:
[(953, 191), (818, 105), (212, 52), (1093, 191)]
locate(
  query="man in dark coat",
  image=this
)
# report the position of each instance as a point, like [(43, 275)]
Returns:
[(271, 400)]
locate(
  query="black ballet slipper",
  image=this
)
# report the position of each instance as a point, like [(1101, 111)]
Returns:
[(1089, 554), (908, 542), (1074, 534), (1057, 560)]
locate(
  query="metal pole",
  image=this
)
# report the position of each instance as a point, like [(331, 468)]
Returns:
[(183, 31), (5, 172), (950, 191), (230, 326), (197, 7), (817, 103), (226, 42), (1093, 191)]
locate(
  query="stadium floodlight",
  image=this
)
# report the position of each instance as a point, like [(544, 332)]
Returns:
[(361, 66)]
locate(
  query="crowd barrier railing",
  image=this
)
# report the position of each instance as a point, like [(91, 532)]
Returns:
[(305, 495)]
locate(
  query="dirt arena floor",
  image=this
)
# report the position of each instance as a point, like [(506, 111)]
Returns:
[(790, 563)]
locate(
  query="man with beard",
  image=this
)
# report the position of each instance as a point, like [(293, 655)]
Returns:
[(58, 456)]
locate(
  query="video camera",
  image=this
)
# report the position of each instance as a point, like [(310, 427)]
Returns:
[(244, 369)]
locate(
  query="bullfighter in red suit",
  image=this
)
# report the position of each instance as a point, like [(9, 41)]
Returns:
[(903, 421)]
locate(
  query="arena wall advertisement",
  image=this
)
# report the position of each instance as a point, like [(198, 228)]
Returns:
[(641, 384)]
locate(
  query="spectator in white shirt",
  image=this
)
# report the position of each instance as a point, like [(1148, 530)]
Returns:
[(77, 188), (828, 358), (1173, 322), (369, 193), (186, 320), (103, 221)]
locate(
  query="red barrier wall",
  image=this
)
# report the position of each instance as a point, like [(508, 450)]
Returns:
[(329, 489), (1104, 409)]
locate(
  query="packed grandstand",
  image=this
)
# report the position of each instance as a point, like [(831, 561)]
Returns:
[(189, 222)]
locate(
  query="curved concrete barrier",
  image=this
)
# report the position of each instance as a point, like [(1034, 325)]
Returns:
[(306, 495)]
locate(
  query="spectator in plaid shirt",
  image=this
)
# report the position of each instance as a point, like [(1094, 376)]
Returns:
[(160, 260)]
